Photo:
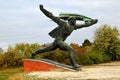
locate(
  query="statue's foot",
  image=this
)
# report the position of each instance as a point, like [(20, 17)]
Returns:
[(77, 66), (32, 55)]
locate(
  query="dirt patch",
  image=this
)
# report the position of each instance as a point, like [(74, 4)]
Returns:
[(105, 71)]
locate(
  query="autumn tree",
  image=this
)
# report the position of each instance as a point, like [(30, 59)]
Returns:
[(107, 42), (86, 43), (1, 60), (1, 50), (26, 49), (11, 58)]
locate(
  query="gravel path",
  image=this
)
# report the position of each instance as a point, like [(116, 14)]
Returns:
[(105, 71)]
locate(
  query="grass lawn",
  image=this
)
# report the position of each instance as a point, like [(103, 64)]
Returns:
[(17, 74), (5, 74)]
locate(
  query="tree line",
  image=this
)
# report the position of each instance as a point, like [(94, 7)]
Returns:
[(104, 48)]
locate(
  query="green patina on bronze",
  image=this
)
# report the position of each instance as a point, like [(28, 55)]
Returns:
[(65, 16)]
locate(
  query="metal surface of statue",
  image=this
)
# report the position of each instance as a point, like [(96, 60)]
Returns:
[(66, 25)]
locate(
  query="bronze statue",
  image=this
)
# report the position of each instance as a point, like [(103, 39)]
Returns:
[(64, 29)]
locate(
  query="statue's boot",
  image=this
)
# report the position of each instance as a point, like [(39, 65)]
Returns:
[(75, 65), (32, 55)]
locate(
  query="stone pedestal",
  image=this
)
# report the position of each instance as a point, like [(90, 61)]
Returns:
[(44, 65)]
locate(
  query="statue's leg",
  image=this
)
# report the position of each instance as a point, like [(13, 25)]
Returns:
[(64, 46), (50, 47)]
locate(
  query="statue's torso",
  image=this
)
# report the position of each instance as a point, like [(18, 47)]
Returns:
[(62, 31)]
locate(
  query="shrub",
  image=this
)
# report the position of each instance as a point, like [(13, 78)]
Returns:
[(106, 58), (1, 60), (12, 59), (83, 58), (95, 57)]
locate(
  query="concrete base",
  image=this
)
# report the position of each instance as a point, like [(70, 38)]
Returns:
[(44, 65)]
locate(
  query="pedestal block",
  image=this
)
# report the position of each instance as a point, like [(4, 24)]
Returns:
[(44, 65)]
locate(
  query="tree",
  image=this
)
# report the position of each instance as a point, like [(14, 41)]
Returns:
[(1, 50), (12, 58), (86, 43), (1, 60), (107, 42), (26, 49)]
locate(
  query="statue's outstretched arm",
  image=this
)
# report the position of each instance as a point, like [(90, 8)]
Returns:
[(87, 23), (51, 16)]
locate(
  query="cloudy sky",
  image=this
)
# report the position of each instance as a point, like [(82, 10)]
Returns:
[(22, 21)]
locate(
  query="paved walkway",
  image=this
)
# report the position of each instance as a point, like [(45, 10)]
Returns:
[(105, 71)]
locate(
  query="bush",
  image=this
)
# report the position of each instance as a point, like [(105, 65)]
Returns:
[(12, 59), (82, 57), (95, 57), (1, 60), (106, 58)]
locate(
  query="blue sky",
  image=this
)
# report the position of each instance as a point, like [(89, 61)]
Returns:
[(22, 21)]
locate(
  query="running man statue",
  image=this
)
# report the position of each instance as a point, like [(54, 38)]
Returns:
[(60, 33)]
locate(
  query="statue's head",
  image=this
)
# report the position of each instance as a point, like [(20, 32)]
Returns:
[(72, 20)]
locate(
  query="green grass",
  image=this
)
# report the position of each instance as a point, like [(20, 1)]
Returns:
[(17, 74), (6, 73)]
